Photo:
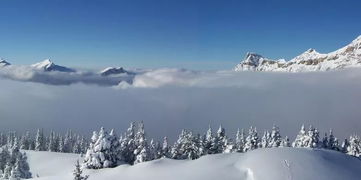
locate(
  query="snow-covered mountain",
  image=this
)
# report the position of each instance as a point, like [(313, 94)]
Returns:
[(310, 60), (48, 65), (113, 71), (3, 63), (262, 164)]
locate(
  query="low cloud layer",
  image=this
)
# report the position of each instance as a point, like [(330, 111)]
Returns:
[(28, 74), (168, 100)]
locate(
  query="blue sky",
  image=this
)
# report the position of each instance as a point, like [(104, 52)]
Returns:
[(203, 34)]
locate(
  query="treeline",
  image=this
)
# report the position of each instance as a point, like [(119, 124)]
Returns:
[(53, 142), (13, 163), (109, 150)]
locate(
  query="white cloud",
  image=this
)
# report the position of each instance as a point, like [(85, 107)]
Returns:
[(168, 100)]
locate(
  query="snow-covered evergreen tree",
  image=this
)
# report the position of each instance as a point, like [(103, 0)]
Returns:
[(275, 139), (166, 148), (344, 146), (325, 141), (285, 142), (141, 152), (40, 140), (68, 142), (7, 171), (143, 155), (15, 172), (77, 146), (78, 172), (240, 141), (313, 140), (266, 140), (156, 151), (208, 141), (301, 138), (52, 144), (23, 166), (333, 142), (4, 157), (251, 140), (186, 147), (222, 140), (100, 155), (3, 139), (354, 149), (127, 144), (25, 141)]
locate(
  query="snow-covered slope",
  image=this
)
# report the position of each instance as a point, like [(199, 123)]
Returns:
[(48, 65), (261, 164), (310, 60)]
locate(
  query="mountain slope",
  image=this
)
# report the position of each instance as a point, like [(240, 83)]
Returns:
[(48, 65), (262, 164), (310, 60)]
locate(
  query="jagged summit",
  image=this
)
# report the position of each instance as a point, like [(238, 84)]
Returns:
[(48, 65), (251, 62), (253, 58), (4, 63), (310, 60)]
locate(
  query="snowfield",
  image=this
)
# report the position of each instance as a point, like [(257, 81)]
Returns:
[(259, 164)]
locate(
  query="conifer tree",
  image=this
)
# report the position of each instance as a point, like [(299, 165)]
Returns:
[(275, 139), (78, 173), (344, 146), (15, 172), (208, 141), (333, 142), (354, 148), (25, 141), (40, 141), (100, 155), (286, 142), (127, 145), (301, 138), (251, 140), (166, 148), (265, 140), (7, 171), (240, 141)]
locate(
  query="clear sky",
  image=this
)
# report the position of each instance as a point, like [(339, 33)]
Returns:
[(195, 34)]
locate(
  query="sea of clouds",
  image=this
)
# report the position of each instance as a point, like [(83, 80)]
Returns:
[(168, 100)]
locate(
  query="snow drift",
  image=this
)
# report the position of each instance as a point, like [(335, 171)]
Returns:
[(261, 164)]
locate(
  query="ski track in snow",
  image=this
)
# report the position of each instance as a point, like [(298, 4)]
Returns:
[(287, 164)]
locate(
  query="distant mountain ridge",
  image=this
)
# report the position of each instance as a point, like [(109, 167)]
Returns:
[(310, 60)]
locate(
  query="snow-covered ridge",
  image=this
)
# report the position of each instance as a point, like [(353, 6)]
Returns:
[(310, 60)]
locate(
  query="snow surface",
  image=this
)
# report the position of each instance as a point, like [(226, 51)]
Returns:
[(262, 164)]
